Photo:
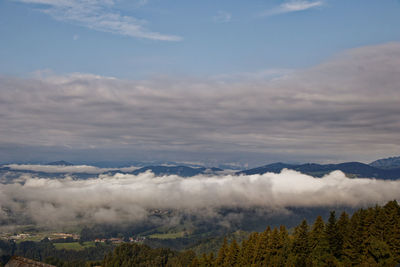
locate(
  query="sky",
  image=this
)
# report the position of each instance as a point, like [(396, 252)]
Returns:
[(240, 82)]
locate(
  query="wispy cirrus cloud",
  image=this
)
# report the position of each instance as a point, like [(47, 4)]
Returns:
[(292, 6), (222, 16), (99, 15)]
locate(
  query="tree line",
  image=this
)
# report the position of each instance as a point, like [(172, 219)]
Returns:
[(370, 237)]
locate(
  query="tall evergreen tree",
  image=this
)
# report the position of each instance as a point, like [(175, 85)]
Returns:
[(232, 258), (320, 251), (260, 250), (247, 249), (343, 225), (301, 246), (277, 247), (391, 213), (332, 234), (353, 245), (222, 253)]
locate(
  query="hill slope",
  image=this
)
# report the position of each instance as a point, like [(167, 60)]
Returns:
[(351, 169), (387, 163)]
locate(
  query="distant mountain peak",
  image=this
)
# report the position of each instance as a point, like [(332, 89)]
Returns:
[(60, 163), (387, 163), (351, 169)]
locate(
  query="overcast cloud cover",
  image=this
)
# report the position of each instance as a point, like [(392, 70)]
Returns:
[(345, 108), (125, 198)]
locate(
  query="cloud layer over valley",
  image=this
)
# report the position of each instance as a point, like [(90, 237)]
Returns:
[(124, 198)]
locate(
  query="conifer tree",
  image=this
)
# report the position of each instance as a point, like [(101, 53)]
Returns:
[(260, 250), (301, 248), (195, 263), (232, 258), (284, 243), (343, 225), (391, 212), (247, 249), (277, 247), (353, 245), (332, 235), (222, 253)]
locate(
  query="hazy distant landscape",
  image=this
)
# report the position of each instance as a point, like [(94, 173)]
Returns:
[(182, 199)]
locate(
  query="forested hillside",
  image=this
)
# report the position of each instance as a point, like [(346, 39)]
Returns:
[(371, 237)]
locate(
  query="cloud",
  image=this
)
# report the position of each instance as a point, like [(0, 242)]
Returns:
[(223, 16), (128, 198), (293, 6), (66, 169), (344, 108), (100, 16)]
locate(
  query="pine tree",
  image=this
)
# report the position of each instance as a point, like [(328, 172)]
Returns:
[(320, 252), (284, 243), (232, 258), (278, 247), (247, 249), (391, 234), (260, 250), (301, 248), (332, 235), (195, 263), (353, 245), (222, 253), (343, 225)]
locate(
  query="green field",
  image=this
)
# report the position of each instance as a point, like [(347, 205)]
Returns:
[(74, 245), (168, 235)]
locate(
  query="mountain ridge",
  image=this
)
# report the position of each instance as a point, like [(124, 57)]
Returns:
[(387, 163), (351, 169)]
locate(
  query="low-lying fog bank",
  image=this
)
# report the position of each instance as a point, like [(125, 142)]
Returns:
[(124, 198)]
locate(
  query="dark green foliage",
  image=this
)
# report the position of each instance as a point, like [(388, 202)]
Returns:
[(333, 236), (301, 245), (222, 253), (46, 252), (371, 237), (142, 255), (319, 244)]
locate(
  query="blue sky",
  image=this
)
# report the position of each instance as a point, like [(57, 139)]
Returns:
[(195, 38), (242, 82)]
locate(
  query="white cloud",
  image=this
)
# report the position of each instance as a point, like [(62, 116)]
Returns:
[(223, 16), (128, 198), (300, 5), (66, 169), (100, 16), (293, 6)]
